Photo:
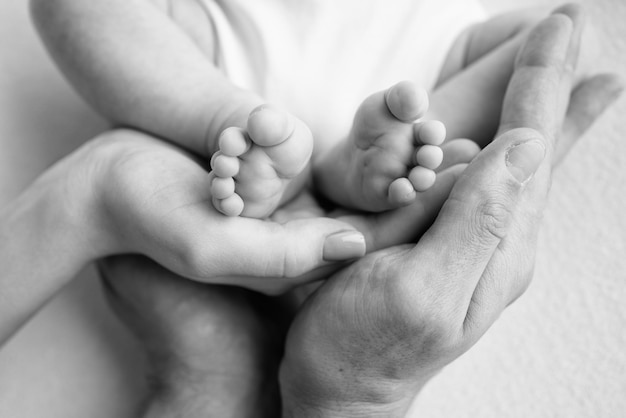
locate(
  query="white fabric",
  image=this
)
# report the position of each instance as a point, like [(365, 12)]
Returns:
[(321, 58)]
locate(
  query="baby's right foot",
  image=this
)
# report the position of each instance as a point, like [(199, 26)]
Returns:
[(387, 158), (261, 167)]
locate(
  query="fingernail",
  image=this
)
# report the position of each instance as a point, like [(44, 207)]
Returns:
[(524, 159), (344, 246)]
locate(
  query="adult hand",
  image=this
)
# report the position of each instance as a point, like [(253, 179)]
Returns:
[(469, 100), (469, 94), (212, 351), (416, 336), (125, 192), (154, 199), (373, 334), (376, 231)]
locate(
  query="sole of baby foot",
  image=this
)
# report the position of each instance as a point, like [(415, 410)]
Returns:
[(393, 158), (259, 168)]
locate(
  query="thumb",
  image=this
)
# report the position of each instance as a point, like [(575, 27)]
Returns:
[(291, 249), (478, 214)]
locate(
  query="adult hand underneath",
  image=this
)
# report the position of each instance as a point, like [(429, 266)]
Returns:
[(212, 351), (373, 334)]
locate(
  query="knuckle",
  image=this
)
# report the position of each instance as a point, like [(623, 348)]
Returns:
[(291, 266), (188, 260), (493, 217)]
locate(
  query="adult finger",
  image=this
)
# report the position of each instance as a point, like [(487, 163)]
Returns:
[(477, 216), (533, 98), (406, 224), (252, 250), (588, 101), (575, 13), (509, 272)]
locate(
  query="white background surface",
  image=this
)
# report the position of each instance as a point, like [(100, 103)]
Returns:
[(557, 352)]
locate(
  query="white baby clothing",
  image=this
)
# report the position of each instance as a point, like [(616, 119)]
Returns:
[(321, 58)]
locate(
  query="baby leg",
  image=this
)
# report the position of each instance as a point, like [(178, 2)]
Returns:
[(387, 158), (261, 167)]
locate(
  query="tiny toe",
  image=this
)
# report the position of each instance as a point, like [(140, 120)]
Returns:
[(401, 192), (216, 155), (268, 125), (429, 156), (224, 166), (406, 101), (422, 178), (222, 187), (431, 132), (231, 206), (233, 142)]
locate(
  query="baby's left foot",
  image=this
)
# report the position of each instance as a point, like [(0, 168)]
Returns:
[(387, 158)]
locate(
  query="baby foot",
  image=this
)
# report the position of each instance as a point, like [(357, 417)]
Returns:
[(261, 167), (387, 158)]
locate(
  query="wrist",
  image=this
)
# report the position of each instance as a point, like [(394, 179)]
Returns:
[(310, 395), (105, 168), (177, 389), (48, 235), (76, 188), (52, 213), (300, 408)]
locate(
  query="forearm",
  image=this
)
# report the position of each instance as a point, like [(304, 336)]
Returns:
[(135, 65), (218, 395), (47, 236)]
